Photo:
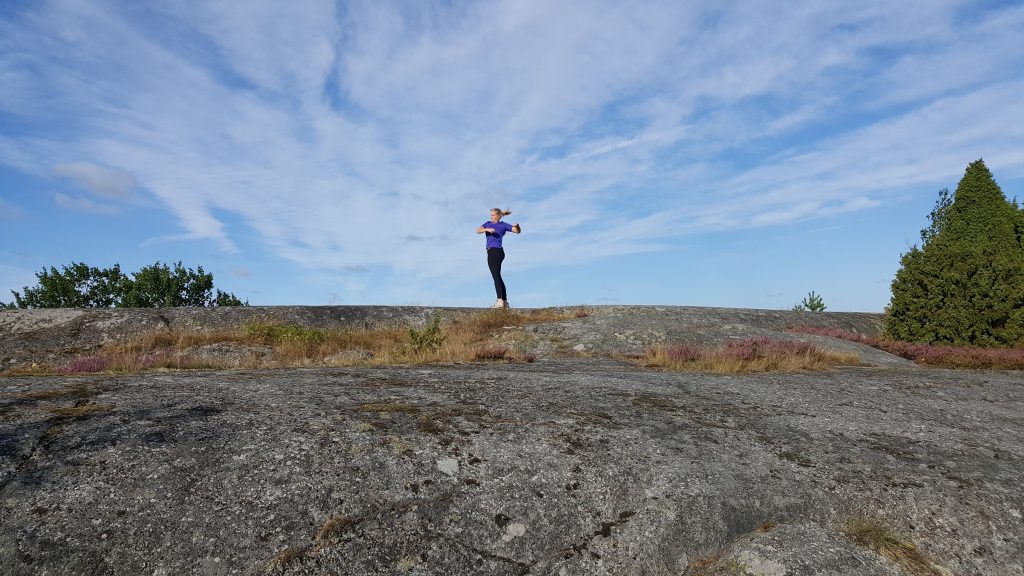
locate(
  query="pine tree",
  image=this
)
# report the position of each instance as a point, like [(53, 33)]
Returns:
[(965, 284)]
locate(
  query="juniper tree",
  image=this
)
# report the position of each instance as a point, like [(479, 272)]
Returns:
[(965, 284)]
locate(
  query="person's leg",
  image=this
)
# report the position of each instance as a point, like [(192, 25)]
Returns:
[(494, 258)]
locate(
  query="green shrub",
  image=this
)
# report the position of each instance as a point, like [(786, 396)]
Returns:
[(429, 339)]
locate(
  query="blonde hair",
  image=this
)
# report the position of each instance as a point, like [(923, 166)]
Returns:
[(500, 211)]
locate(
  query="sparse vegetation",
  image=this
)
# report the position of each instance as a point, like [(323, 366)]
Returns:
[(747, 355), (876, 536), (286, 558), (270, 333), (462, 339), (333, 529), (492, 353), (429, 338), (928, 354)]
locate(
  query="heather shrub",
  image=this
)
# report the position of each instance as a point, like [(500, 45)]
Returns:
[(85, 365), (682, 353), (932, 355)]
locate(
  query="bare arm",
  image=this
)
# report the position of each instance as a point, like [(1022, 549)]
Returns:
[(481, 230)]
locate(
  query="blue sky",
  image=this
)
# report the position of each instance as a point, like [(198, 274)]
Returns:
[(710, 153)]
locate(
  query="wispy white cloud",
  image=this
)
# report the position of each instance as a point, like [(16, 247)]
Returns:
[(99, 180), (84, 205), (379, 134)]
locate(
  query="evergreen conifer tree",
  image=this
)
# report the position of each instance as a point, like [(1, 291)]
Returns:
[(965, 284)]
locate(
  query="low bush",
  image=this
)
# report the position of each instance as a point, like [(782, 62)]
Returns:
[(929, 354), (682, 353), (429, 338), (85, 365), (747, 355)]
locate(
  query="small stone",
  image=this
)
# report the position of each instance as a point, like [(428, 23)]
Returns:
[(579, 347), (449, 466), (513, 531)]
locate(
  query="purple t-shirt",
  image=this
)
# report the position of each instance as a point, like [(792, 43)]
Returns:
[(494, 238)]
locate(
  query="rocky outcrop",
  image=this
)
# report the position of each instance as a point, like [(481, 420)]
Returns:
[(571, 465), (46, 335)]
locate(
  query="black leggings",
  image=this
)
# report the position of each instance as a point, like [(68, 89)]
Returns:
[(494, 258)]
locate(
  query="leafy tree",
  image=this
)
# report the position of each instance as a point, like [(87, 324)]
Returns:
[(74, 286), (812, 302), (82, 286), (228, 299), (158, 286), (965, 284)]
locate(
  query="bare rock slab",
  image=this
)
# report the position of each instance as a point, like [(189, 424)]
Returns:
[(567, 467)]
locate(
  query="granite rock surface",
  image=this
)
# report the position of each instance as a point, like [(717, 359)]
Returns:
[(571, 465)]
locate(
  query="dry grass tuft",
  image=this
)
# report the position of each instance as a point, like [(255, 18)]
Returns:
[(34, 369), (333, 529), (286, 558), (492, 353), (747, 355), (700, 565), (467, 338), (877, 537), (582, 312), (461, 339)]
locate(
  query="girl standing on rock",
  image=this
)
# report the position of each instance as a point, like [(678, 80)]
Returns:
[(495, 230)]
